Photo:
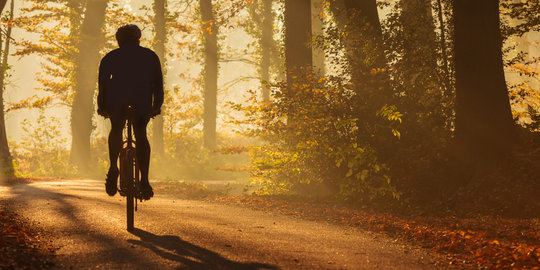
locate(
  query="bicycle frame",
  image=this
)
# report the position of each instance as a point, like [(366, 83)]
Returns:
[(129, 172)]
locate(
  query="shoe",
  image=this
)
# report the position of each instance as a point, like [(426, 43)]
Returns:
[(111, 182), (146, 191)]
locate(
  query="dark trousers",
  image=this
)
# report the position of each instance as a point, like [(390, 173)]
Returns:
[(143, 146)]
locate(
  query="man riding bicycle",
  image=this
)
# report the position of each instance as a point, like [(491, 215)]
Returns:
[(129, 76)]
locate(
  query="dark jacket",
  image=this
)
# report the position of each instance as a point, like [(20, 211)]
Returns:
[(130, 75)]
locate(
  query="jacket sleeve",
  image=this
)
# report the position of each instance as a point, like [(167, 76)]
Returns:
[(158, 85), (103, 79)]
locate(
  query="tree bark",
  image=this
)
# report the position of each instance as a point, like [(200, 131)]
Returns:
[(419, 69), (210, 74), (2, 5), (82, 111), (484, 126), (369, 13), (419, 33), (159, 47), (6, 162), (365, 16), (317, 29), (298, 54), (442, 41), (364, 48)]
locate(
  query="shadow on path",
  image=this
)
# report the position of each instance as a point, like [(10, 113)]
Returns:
[(173, 248), (111, 252)]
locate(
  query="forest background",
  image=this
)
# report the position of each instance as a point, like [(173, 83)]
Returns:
[(402, 103)]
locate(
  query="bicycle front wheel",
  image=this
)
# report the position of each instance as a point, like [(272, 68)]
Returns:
[(128, 173)]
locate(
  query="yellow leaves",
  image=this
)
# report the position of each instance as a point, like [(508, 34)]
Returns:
[(525, 70), (396, 133), (31, 102), (375, 71), (207, 26)]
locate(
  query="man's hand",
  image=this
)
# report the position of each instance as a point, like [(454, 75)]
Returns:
[(103, 112), (155, 112)]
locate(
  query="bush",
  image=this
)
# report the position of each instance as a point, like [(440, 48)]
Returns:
[(312, 140), (42, 152)]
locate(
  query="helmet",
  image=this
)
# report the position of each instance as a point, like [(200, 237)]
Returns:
[(128, 34)]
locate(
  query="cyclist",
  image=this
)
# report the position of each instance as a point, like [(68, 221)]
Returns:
[(129, 75)]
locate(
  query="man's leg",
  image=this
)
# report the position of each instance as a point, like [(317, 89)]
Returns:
[(143, 154), (115, 145)]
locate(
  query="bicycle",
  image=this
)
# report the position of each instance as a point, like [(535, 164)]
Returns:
[(129, 171)]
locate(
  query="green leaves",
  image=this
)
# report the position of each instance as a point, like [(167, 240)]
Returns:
[(390, 113), (317, 142)]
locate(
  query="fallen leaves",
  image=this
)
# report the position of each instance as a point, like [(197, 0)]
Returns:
[(491, 243), (21, 248)]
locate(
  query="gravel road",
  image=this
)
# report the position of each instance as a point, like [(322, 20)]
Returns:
[(88, 228)]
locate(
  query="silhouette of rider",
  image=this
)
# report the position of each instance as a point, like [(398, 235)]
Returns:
[(129, 75)]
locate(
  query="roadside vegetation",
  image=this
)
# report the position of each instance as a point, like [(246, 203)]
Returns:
[(416, 119)]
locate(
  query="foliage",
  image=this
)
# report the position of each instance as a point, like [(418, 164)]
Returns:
[(518, 20), (42, 152), (525, 14), (58, 25), (310, 129), (346, 133), (419, 51), (254, 27)]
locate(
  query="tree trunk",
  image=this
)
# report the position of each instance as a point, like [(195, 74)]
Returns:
[(298, 54), (419, 33), (159, 47), (82, 111), (317, 29), (267, 45), (2, 5), (210, 73), (365, 16), (484, 126), (444, 49), (7, 169), (364, 48), (418, 69)]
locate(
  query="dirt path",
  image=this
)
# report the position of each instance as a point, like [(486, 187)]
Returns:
[(88, 228)]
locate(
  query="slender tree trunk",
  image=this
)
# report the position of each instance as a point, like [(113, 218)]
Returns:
[(419, 33), (484, 126), (419, 68), (267, 45), (159, 47), (368, 9), (317, 29), (82, 110), (364, 48), (7, 169), (210, 73), (442, 41), (298, 55), (365, 16)]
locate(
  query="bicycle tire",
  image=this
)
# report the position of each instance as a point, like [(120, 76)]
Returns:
[(128, 165)]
